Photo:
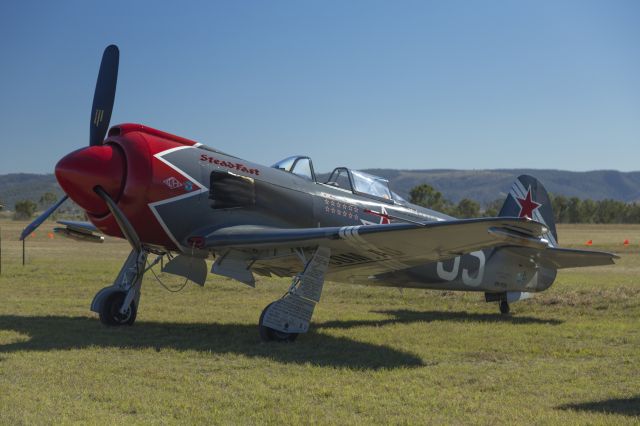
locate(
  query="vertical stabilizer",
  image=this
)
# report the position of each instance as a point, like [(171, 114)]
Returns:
[(529, 198)]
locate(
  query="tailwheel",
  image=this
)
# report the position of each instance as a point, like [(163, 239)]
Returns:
[(110, 313), (268, 334), (504, 307)]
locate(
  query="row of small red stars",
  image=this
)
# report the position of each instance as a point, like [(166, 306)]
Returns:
[(338, 205), (338, 212)]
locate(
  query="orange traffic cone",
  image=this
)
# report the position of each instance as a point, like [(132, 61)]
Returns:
[(589, 243), (626, 242), (50, 235)]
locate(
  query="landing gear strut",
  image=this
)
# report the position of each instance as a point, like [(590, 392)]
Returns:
[(502, 299), (284, 319), (118, 304), (504, 307)]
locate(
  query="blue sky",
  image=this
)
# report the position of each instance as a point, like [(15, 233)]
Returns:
[(425, 84)]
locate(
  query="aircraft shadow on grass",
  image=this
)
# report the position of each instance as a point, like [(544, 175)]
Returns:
[(623, 406), (45, 333), (404, 316), (60, 332)]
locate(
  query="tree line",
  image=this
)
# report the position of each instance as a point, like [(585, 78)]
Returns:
[(25, 209), (565, 209)]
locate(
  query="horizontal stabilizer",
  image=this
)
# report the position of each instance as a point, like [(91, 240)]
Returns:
[(571, 258), (560, 258)]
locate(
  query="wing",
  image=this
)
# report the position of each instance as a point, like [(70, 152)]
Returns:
[(373, 249), (79, 226), (80, 231)]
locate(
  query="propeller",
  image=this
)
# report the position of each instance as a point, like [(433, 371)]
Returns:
[(34, 225), (104, 95), (103, 98)]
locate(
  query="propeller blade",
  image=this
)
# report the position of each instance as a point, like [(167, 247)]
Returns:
[(124, 224), (34, 225), (104, 95)]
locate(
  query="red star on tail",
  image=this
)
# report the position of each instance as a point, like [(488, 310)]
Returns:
[(527, 205)]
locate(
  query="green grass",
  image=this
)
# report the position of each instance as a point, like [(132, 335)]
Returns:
[(374, 355)]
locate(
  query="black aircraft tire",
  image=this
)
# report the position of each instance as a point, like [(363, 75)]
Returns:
[(110, 312), (504, 307), (268, 334)]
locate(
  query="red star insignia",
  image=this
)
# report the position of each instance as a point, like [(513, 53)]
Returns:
[(384, 218), (527, 205)]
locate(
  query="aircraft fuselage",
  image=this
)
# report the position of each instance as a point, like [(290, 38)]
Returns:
[(173, 189)]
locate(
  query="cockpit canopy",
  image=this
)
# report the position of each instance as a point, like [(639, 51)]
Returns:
[(298, 165), (362, 183), (354, 181)]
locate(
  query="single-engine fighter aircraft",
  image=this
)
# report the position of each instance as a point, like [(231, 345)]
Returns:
[(170, 196)]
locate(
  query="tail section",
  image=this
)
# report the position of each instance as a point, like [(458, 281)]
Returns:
[(528, 270), (529, 198)]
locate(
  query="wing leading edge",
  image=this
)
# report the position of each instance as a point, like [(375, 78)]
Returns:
[(79, 226), (465, 232)]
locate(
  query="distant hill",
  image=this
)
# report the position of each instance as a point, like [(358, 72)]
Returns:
[(26, 186), (480, 185), (487, 185)]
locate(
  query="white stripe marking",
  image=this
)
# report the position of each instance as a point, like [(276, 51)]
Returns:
[(153, 206)]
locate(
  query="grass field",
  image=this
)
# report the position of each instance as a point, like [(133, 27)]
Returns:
[(571, 355)]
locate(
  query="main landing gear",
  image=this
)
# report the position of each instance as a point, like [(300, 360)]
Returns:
[(502, 299), (284, 319), (280, 321), (268, 334), (504, 307), (110, 313), (117, 304)]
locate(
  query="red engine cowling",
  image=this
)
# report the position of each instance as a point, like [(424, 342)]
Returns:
[(127, 168)]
